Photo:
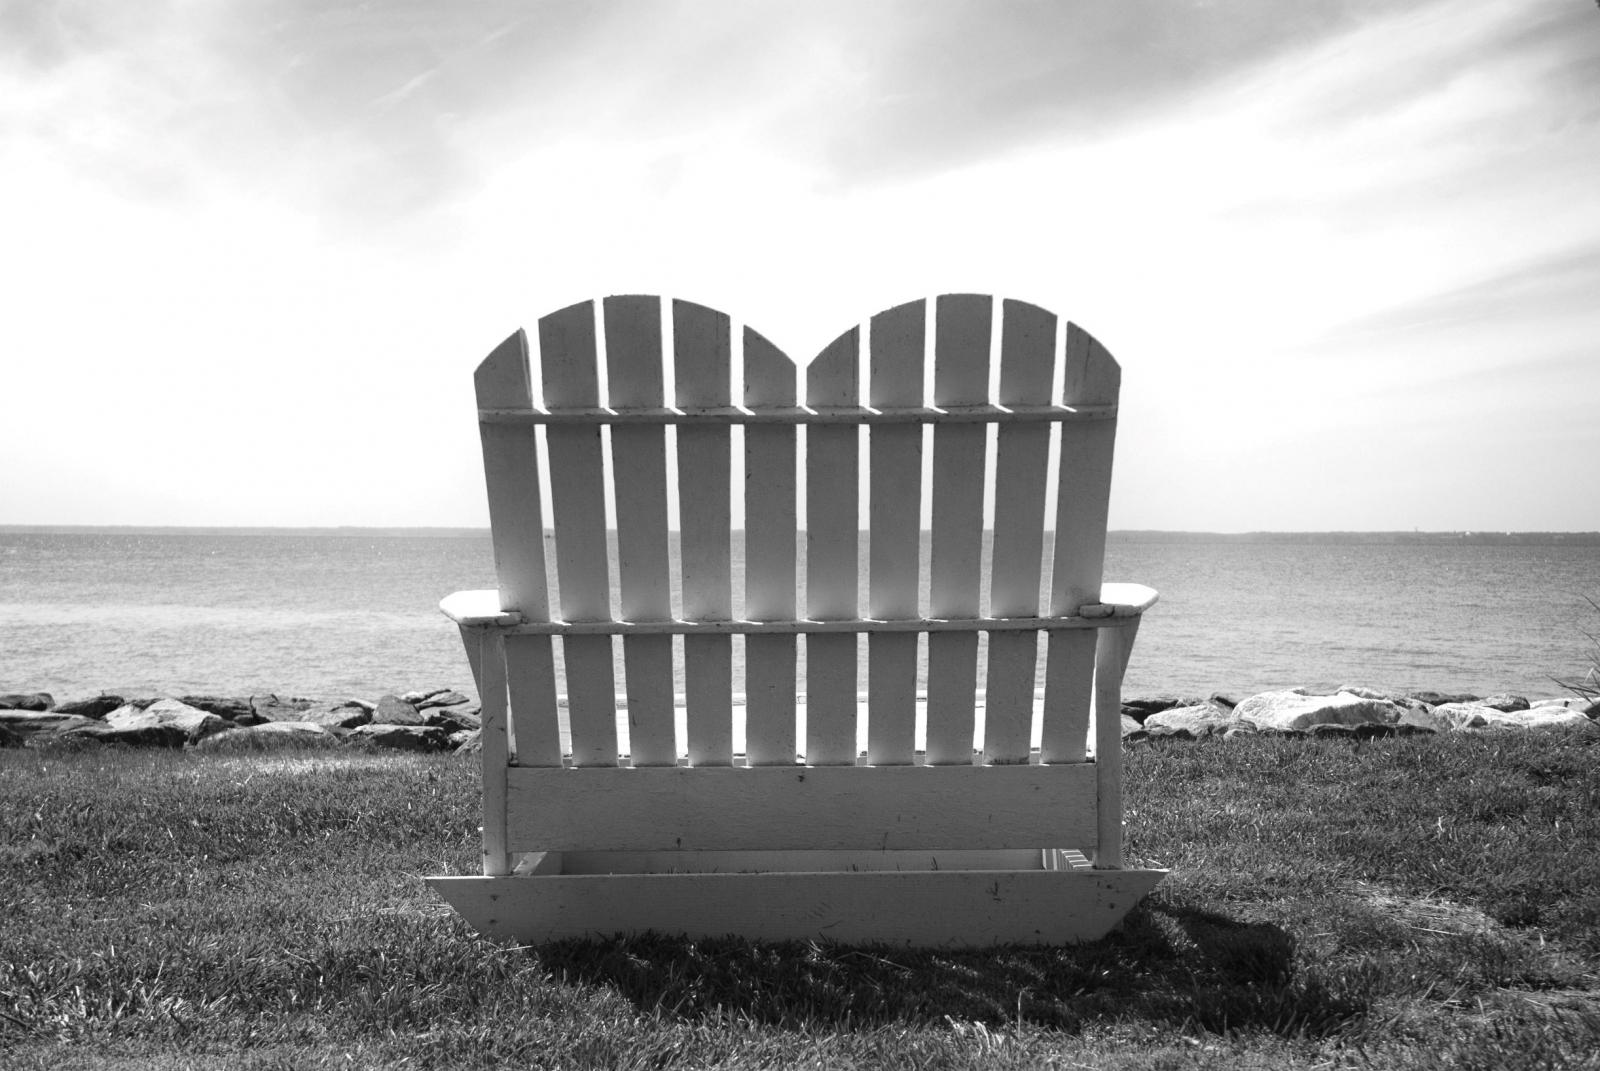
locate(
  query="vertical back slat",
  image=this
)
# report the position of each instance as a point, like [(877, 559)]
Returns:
[(770, 535), (832, 546), (898, 341), (568, 366), (701, 347), (535, 717), (639, 470), (1090, 377), (961, 377), (1027, 359), (511, 473)]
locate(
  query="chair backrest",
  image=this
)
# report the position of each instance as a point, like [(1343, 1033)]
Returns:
[(1002, 364)]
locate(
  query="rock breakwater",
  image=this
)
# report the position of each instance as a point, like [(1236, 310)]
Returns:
[(443, 719)]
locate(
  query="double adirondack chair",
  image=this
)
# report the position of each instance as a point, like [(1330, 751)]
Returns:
[(608, 813)]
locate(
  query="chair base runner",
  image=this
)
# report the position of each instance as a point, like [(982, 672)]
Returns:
[(948, 908)]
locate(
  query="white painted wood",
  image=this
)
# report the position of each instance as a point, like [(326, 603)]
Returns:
[(511, 474), (1090, 377), (832, 546), (495, 752), (1008, 696), (947, 909), (961, 377), (791, 415), (898, 342), (952, 694), (701, 345), (795, 861), (770, 555), (1111, 656), (535, 713), (826, 832), (804, 626), (848, 807), (769, 688), (1027, 359), (1069, 676), (473, 608), (639, 471)]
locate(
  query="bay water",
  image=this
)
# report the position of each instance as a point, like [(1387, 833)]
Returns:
[(354, 612)]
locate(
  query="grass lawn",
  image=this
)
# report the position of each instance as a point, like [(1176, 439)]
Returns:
[(1416, 902)]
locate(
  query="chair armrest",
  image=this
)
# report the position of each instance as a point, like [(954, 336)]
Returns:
[(477, 608), (1120, 600)]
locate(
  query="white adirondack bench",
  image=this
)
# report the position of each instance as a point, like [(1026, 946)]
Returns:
[(602, 817)]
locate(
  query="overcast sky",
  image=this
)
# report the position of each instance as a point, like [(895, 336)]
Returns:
[(1348, 253)]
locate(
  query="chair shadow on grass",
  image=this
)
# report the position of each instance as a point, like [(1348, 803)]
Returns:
[(1168, 964)]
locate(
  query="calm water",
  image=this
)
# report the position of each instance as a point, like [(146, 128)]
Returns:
[(340, 615)]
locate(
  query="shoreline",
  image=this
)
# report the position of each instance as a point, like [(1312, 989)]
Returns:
[(442, 719)]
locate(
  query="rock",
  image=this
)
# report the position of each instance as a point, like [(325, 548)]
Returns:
[(270, 736), (274, 708), (1295, 711), (11, 739), (452, 719), (445, 698), (401, 737), (1222, 700), (97, 706), (1131, 729), (1140, 709), (39, 701), (32, 722), (1551, 717), (1590, 707), (1191, 722), (1434, 699), (392, 710), (346, 715), (1505, 703), (1422, 719), (466, 740), (416, 698), (229, 707), (1472, 715), (166, 723), (1364, 693), (1364, 731)]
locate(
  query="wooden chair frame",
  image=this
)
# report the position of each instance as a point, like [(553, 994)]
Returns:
[(800, 837)]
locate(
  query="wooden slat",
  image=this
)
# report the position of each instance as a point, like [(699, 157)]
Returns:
[(535, 717), (1090, 376), (898, 340), (961, 377), (770, 555), (844, 807), (832, 546), (948, 909), (860, 860), (511, 473), (568, 365), (495, 753), (701, 345), (1027, 352), (639, 472), (1069, 675), (803, 626)]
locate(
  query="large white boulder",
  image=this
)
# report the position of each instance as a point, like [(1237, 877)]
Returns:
[(1298, 711)]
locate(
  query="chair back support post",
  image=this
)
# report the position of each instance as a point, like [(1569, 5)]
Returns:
[(496, 748), (1113, 646)]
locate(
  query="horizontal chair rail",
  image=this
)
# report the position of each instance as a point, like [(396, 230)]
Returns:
[(792, 415), (482, 609), (844, 807)]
